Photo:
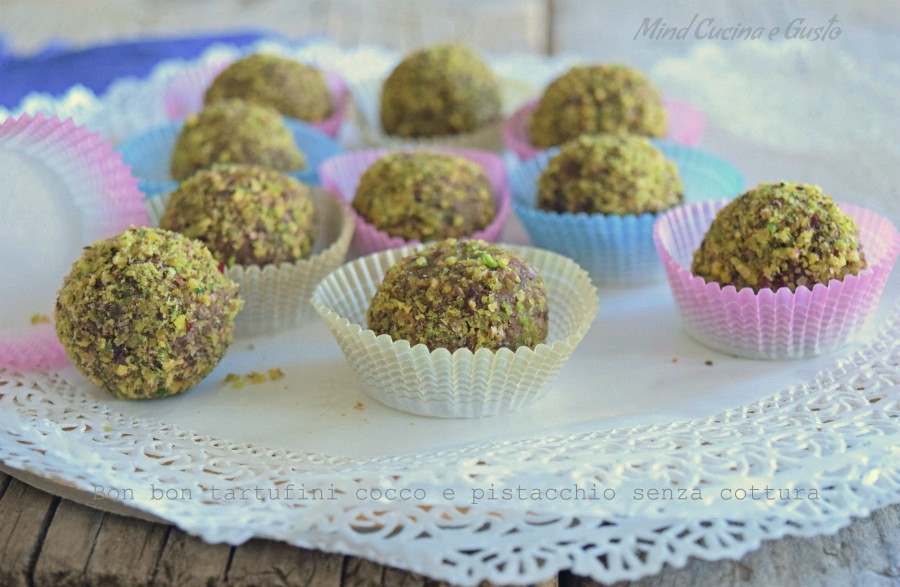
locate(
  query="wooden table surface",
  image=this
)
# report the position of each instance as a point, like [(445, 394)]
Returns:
[(46, 540)]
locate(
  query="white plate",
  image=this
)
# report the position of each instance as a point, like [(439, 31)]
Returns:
[(622, 416)]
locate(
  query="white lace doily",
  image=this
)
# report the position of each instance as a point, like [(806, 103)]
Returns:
[(838, 433)]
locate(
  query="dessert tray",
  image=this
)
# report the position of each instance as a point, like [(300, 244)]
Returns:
[(649, 449)]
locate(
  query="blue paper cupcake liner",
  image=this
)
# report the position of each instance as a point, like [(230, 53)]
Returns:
[(150, 154), (616, 249)]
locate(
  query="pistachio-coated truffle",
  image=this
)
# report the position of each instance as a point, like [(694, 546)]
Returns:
[(442, 90), (779, 235), (597, 99), (609, 174), (462, 294), (146, 314), (291, 88), (232, 131), (245, 214), (425, 196)]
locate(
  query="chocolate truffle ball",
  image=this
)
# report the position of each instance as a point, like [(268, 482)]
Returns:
[(597, 99), (425, 196), (245, 214), (609, 174), (291, 88), (779, 235), (232, 131), (146, 314), (462, 294), (443, 90)]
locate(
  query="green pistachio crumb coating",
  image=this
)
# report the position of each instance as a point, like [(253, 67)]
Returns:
[(245, 214), (291, 88), (442, 90), (425, 196), (779, 235), (462, 294), (232, 131), (609, 174), (597, 99), (146, 314)]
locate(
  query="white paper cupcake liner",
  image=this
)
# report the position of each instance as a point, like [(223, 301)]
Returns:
[(341, 175), (367, 113), (184, 95), (276, 297), (616, 250), (461, 384), (773, 325), (66, 189)]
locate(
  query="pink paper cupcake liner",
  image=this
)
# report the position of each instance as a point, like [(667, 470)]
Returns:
[(341, 175), (685, 126), (773, 325), (78, 191), (184, 96)]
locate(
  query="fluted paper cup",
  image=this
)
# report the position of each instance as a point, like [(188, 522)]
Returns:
[(65, 188), (685, 127), (773, 325), (341, 175), (150, 154), (367, 104), (184, 95), (461, 384), (614, 249), (276, 297)]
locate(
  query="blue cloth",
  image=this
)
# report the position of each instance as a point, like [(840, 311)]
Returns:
[(55, 70)]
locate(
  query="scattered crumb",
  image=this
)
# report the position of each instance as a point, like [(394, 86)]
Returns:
[(40, 319), (255, 377), (709, 363), (674, 359), (250, 346), (107, 428), (359, 406), (237, 381)]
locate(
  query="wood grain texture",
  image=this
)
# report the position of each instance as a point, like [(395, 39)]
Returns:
[(266, 562), (187, 561), (68, 545), (4, 483), (362, 573), (41, 544), (864, 554), (25, 513), (126, 552), (45, 541), (402, 24)]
